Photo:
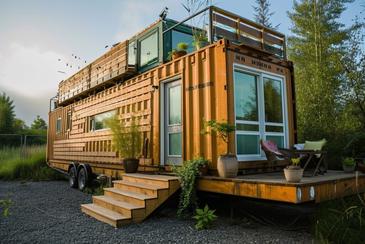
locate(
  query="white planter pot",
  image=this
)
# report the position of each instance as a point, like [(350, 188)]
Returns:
[(348, 168), (293, 175), (227, 166)]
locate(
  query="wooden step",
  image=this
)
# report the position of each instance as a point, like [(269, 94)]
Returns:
[(141, 188), (125, 208), (132, 199), (160, 180), (128, 196), (105, 215)]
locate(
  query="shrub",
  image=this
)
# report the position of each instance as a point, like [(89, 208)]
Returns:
[(341, 221), (188, 173), (26, 164), (5, 206), (349, 162), (204, 218)]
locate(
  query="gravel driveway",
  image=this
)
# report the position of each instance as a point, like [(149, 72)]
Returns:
[(49, 212)]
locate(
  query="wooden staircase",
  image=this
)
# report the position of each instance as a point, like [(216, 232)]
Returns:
[(132, 199)]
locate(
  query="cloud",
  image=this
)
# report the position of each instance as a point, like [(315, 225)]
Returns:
[(137, 15), (29, 75), (30, 71)]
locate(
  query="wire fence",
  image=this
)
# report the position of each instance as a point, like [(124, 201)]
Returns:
[(21, 140)]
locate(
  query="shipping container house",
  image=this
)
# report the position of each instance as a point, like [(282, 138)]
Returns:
[(242, 77)]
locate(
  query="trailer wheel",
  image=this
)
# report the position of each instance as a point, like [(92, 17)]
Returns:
[(82, 178), (72, 177)]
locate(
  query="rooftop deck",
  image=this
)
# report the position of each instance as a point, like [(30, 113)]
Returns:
[(273, 186)]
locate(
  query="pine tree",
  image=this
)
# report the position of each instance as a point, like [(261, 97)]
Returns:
[(316, 47), (263, 14), (7, 114), (39, 124)]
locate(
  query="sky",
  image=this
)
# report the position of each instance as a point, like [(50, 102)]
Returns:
[(36, 34)]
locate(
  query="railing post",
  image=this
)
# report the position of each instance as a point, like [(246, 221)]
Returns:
[(262, 39), (210, 34)]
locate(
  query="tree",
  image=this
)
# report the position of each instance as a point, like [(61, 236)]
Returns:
[(316, 46), (353, 62), (7, 114), (262, 13), (19, 125), (39, 124)]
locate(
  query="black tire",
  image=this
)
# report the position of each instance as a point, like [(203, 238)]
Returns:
[(72, 177), (82, 178)]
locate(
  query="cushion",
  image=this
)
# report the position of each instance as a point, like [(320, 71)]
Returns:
[(314, 145)]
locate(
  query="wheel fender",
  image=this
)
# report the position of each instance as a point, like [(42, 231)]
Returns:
[(72, 164), (88, 171)]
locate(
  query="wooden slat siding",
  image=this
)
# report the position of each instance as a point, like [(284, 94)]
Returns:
[(109, 66)]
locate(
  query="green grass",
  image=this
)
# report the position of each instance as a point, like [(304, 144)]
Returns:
[(26, 164)]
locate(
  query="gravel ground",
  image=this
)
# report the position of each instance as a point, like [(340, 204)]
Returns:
[(49, 212)]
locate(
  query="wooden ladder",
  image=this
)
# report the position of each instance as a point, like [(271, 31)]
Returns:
[(132, 199)]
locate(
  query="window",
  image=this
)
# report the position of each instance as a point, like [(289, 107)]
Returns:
[(259, 112), (132, 53), (69, 120), (149, 50), (58, 125), (178, 37), (98, 122)]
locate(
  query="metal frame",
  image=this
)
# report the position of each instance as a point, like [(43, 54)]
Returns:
[(261, 110), (162, 133)]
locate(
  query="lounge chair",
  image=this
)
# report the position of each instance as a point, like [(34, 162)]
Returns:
[(311, 154)]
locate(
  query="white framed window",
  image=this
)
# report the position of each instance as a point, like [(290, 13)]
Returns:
[(260, 111)]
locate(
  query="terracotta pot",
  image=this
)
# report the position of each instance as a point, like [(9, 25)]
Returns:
[(348, 168), (178, 54), (293, 175), (130, 165), (227, 166)]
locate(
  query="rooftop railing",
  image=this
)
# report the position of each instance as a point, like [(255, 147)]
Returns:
[(220, 24)]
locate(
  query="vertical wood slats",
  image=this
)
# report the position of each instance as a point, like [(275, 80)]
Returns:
[(112, 64)]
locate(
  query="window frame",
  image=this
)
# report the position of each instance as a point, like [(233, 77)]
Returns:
[(144, 67), (261, 74), (58, 125), (92, 121)]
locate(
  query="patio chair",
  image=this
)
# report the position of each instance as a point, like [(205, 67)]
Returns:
[(273, 154), (311, 154)]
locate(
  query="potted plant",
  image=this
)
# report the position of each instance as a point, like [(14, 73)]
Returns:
[(127, 141), (227, 164), (188, 173), (348, 165), (293, 173), (200, 39), (181, 50)]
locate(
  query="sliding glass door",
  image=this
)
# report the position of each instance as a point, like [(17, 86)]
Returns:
[(259, 112)]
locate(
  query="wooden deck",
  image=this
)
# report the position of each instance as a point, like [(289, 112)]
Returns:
[(273, 186)]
